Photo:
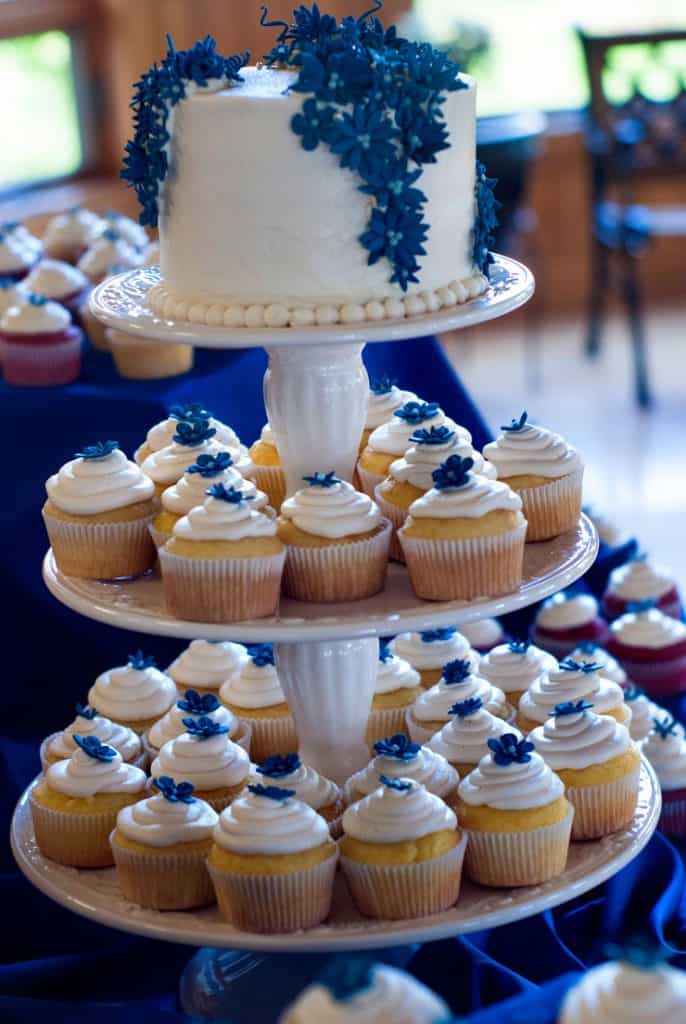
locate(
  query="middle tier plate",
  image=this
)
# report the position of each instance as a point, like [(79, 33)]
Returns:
[(139, 604)]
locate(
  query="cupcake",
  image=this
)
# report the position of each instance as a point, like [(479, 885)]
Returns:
[(204, 755), (272, 862), (105, 252), (161, 435), (191, 490), (643, 712), (598, 763), (336, 542), (206, 664), (396, 757), (397, 686), (254, 694), (464, 740), (68, 234), (516, 817), (269, 474), (412, 475), (401, 851), (545, 471), (97, 514), (139, 358), (223, 562), (12, 293), (665, 748), (354, 990), (465, 537), (384, 398), (566, 620), (21, 234), (651, 648), (288, 772), (609, 667), (571, 681), (88, 722), (392, 439), (167, 465), (132, 232), (514, 666), (136, 694), (195, 705), (431, 711), (640, 580), (484, 635), (61, 282), (74, 805), (431, 649), (160, 847), (41, 347), (16, 259), (627, 993)]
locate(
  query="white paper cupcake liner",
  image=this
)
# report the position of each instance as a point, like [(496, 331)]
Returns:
[(159, 537), (276, 903), (452, 570), (603, 808), (504, 859), (394, 892), (174, 881), (554, 507), (221, 589), (272, 481), (270, 736), (383, 722), (101, 551), (418, 733), (338, 572), (369, 480), (77, 840), (397, 517)]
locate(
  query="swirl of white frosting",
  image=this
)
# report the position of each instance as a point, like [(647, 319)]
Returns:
[(171, 724), (310, 787), (31, 318), (513, 787), (393, 436), (161, 822), (483, 634), (267, 435), (12, 293), (638, 580), (618, 993), (208, 763), (105, 253), (206, 665), (382, 406), (643, 713), (332, 512), (132, 694), (609, 666), (428, 654), (564, 612), (395, 674), (532, 450), (133, 233), (475, 499), (392, 996), (222, 520), (391, 815), (82, 775), (89, 486), (651, 628), (420, 460), (168, 465), (562, 686), (668, 757), (434, 704), (189, 491), (55, 279), (429, 769), (161, 435), (464, 740), (258, 824), (515, 671), (580, 740), (253, 686), (14, 255), (71, 229), (123, 739)]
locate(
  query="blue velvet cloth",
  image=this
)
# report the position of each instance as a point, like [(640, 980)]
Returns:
[(57, 966)]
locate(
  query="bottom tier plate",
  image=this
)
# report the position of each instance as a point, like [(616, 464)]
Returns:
[(95, 895)]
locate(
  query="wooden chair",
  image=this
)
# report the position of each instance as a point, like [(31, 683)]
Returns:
[(630, 143)]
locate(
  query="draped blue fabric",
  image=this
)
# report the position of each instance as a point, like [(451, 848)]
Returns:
[(57, 966)]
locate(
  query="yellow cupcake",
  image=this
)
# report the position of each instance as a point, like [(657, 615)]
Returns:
[(135, 695), (391, 439), (253, 693), (269, 474), (396, 689), (571, 681)]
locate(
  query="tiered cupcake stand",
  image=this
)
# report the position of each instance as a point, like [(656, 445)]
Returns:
[(315, 392)]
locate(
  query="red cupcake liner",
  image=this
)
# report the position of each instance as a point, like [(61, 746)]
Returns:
[(645, 655), (669, 603), (673, 815), (45, 360), (561, 642), (658, 678)]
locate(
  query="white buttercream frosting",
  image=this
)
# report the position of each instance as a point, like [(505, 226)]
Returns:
[(476, 498), (427, 651), (132, 232), (667, 755), (394, 673), (207, 762), (73, 229), (609, 666), (221, 520), (14, 256), (390, 815), (643, 712), (512, 787), (383, 404), (564, 685), (253, 686), (427, 768), (172, 725), (580, 740), (21, 234), (309, 786), (393, 436), (267, 435), (483, 634), (651, 628), (128, 694), (206, 665), (106, 253), (90, 486), (121, 737), (161, 822), (532, 450), (618, 993), (514, 670), (35, 317), (12, 293), (82, 775), (564, 612), (420, 460), (190, 491), (639, 580), (434, 704), (56, 279), (332, 512), (161, 434), (260, 825), (464, 740), (167, 465)]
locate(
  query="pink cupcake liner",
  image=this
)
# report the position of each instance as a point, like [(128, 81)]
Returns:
[(221, 589), (101, 550), (554, 507), (33, 365), (397, 517), (504, 859), (369, 480), (673, 815), (669, 603), (339, 572), (561, 643), (603, 808), (660, 678), (174, 881)]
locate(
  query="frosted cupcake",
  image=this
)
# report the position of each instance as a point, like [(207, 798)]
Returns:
[(336, 542), (464, 740), (397, 687), (665, 748), (627, 993), (641, 580), (139, 358), (88, 722), (161, 434), (431, 711), (136, 694), (68, 234), (106, 251), (223, 562), (651, 648), (254, 694), (484, 635), (514, 667), (160, 846), (40, 345), (643, 712), (195, 705), (431, 649), (130, 230), (598, 763), (206, 664), (396, 757), (571, 681), (545, 471), (97, 514), (16, 259), (269, 474), (288, 772), (272, 862), (401, 851), (384, 398), (566, 620), (610, 668), (465, 537), (205, 756), (60, 282), (12, 293), (167, 465), (21, 234), (515, 814), (74, 805)]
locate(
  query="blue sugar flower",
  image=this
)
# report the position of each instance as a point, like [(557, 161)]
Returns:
[(486, 220), (211, 465), (347, 976), (518, 646), (640, 950), (632, 693), (141, 661), (261, 654), (432, 636), (423, 136), (417, 412), (362, 138), (197, 704), (393, 183), (92, 746), (401, 785), (570, 707), (644, 605), (385, 652), (204, 728), (666, 727), (588, 647), (228, 494), (322, 479), (586, 667), (99, 450), (509, 749), (86, 711), (189, 411), (454, 472), (193, 432), (456, 671), (313, 123), (516, 425), (6, 282), (312, 77), (435, 435), (398, 746), (382, 386), (465, 708), (37, 300), (201, 63), (111, 235), (279, 765), (175, 792), (397, 235), (272, 792)]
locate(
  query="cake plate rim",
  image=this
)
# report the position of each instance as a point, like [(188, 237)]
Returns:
[(118, 303)]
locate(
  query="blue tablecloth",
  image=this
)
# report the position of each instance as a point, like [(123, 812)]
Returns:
[(57, 966)]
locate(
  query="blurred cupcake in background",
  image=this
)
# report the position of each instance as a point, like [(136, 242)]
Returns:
[(431, 649), (651, 648), (269, 474), (643, 712), (640, 580), (397, 687), (132, 232), (16, 259), (588, 652), (68, 234), (514, 667), (665, 748), (484, 635), (61, 282), (106, 251), (566, 620), (40, 345), (20, 234)]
